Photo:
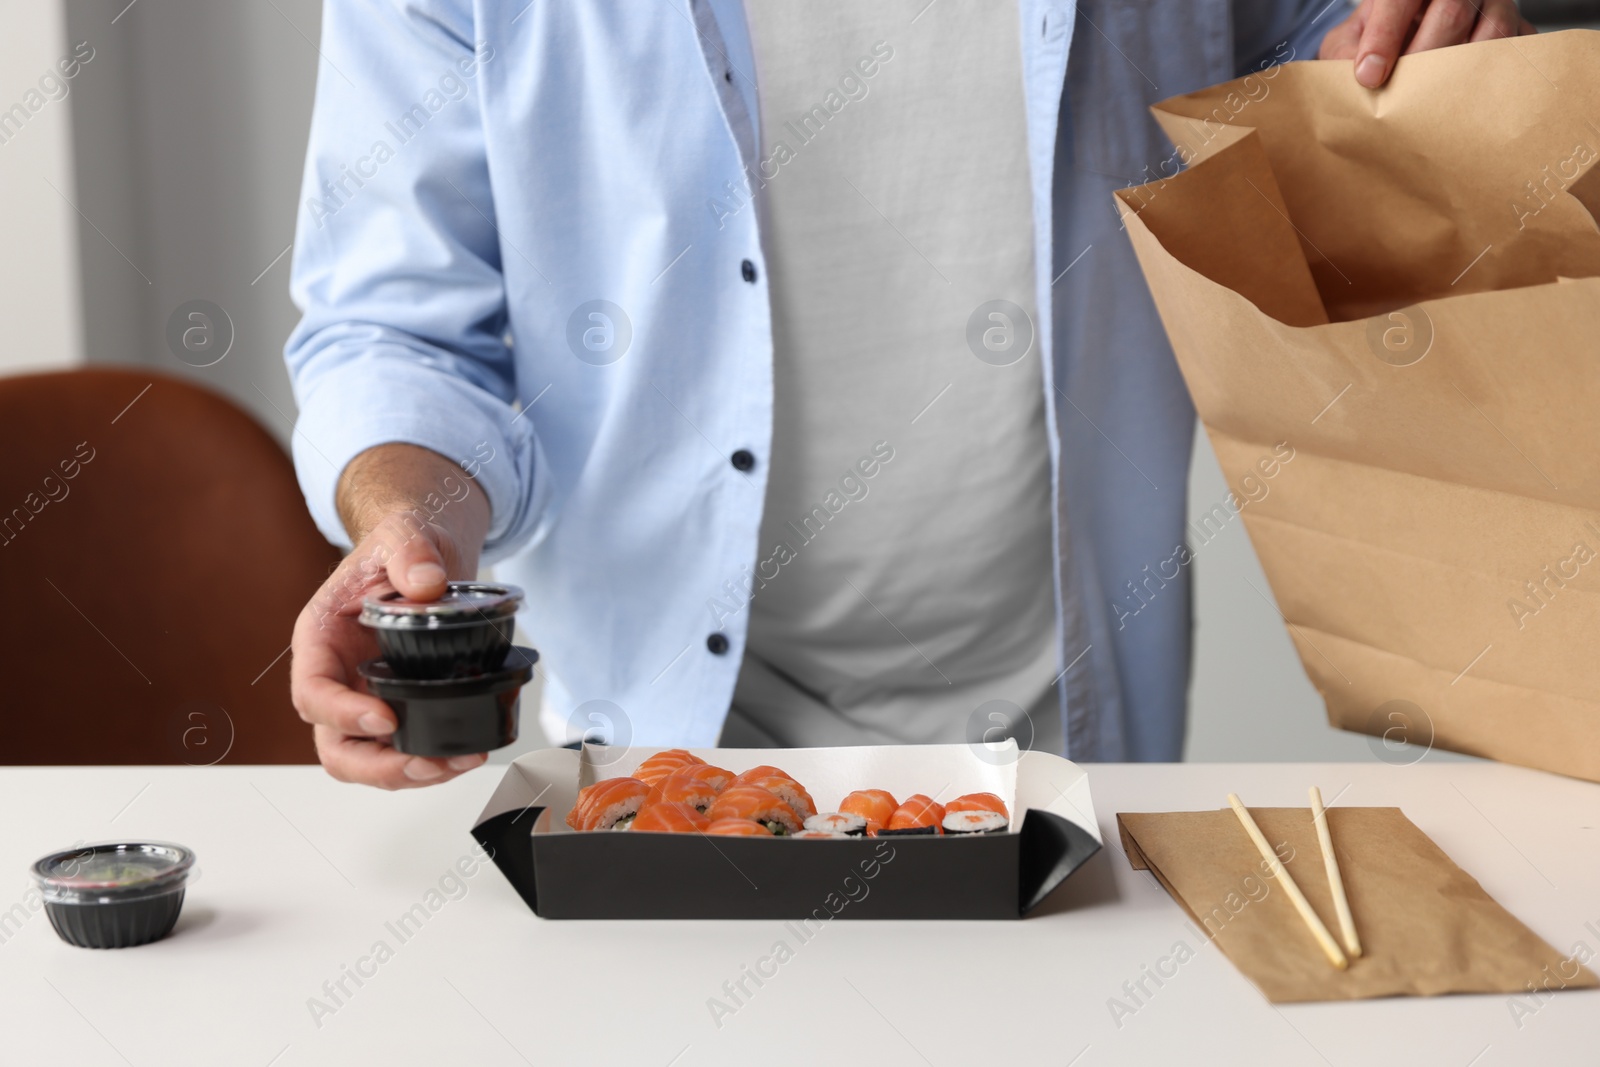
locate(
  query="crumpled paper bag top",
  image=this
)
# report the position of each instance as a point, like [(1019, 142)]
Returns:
[(1481, 155)]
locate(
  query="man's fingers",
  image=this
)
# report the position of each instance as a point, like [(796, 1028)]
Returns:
[(1382, 37), (1341, 41), (328, 702), (416, 566), (321, 685), (353, 759), (1444, 23), (1500, 18)]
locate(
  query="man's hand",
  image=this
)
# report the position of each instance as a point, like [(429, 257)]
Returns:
[(417, 521), (1377, 33)]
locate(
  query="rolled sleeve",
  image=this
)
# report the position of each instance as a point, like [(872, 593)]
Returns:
[(397, 266), (386, 395)]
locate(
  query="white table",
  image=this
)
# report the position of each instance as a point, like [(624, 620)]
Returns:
[(301, 874)]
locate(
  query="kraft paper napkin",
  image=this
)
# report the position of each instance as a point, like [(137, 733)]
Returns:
[(1403, 287), (1426, 926)]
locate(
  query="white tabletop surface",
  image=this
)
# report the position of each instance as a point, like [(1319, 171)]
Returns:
[(300, 874)]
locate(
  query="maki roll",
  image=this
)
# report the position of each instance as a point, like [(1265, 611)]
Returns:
[(818, 834), (682, 789), (738, 828), (877, 806), (839, 823), (766, 770), (668, 761), (715, 777), (917, 815), (608, 805), (788, 790), (758, 805), (978, 802), (671, 818), (961, 823)]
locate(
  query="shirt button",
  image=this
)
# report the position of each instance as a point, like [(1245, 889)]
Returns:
[(742, 460), (748, 269), (727, 75), (717, 643)]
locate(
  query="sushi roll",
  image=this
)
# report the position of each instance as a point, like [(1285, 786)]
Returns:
[(877, 806), (610, 804), (667, 761), (766, 770), (961, 823), (738, 828), (918, 813), (671, 818), (682, 789), (717, 778), (839, 822), (789, 791), (817, 834), (758, 805), (978, 802)]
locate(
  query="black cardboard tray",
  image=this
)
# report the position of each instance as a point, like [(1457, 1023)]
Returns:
[(565, 875)]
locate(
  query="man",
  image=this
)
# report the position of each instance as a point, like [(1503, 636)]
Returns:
[(787, 354)]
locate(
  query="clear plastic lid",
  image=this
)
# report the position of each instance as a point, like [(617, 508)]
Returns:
[(114, 871), (463, 604)]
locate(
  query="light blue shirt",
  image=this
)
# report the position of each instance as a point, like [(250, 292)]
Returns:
[(527, 243)]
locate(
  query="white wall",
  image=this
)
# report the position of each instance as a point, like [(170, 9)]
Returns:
[(39, 295), (190, 129)]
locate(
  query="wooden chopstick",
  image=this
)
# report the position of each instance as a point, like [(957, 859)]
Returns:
[(1331, 947), (1341, 903)]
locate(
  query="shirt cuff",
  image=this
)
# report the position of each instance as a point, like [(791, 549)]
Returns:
[(382, 398)]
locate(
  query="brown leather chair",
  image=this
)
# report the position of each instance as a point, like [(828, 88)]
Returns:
[(154, 552)]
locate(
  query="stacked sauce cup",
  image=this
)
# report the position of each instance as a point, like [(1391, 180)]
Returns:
[(448, 668)]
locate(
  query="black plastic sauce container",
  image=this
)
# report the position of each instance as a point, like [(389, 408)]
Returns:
[(465, 632), (454, 716), (114, 895), (449, 670)]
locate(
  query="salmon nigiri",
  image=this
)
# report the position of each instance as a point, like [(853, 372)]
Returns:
[(877, 806), (758, 805), (605, 804), (918, 814), (670, 818), (663, 763), (977, 802), (738, 828)]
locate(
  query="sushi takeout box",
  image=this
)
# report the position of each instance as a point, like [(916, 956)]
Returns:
[(563, 874)]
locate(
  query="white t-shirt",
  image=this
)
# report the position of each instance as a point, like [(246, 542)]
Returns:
[(905, 567)]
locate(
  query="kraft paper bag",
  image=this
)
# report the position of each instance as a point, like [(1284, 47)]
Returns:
[(1426, 926), (1403, 287)]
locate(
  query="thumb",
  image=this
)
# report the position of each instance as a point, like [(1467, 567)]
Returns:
[(1382, 39), (416, 567)]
